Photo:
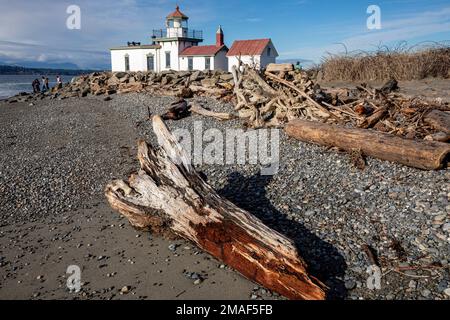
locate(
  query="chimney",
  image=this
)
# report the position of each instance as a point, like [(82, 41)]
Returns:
[(219, 37)]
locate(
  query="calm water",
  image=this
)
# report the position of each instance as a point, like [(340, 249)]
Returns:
[(11, 85)]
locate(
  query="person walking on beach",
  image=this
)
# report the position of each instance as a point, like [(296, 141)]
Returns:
[(47, 87), (36, 86), (43, 84), (58, 82)]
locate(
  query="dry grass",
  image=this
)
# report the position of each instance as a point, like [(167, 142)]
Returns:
[(401, 63)]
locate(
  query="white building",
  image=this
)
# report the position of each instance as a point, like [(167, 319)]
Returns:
[(173, 48), (256, 53)]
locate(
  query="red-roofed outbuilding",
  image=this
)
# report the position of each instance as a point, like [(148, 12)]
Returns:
[(257, 53)]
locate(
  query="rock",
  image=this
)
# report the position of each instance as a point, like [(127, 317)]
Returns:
[(173, 247), (446, 227), (125, 290), (195, 276), (426, 293), (439, 136), (107, 98), (350, 284), (198, 281), (447, 292)]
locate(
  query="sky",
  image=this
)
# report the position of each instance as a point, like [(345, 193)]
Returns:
[(35, 32)]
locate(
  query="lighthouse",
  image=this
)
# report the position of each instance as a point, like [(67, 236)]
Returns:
[(176, 47)]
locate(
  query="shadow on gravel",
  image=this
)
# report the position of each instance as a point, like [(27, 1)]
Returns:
[(323, 259)]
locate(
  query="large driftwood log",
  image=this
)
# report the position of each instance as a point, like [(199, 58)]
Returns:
[(419, 154), (280, 67), (167, 191), (439, 120)]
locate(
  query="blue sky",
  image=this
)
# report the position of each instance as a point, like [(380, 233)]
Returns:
[(33, 31)]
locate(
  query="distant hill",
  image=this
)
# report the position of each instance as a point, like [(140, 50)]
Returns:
[(304, 62), (4, 69), (48, 65)]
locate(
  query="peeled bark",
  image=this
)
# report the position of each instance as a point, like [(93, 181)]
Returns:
[(167, 191), (419, 154)]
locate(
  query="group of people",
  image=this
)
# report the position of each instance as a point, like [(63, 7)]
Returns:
[(45, 84)]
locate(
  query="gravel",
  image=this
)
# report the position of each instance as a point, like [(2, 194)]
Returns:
[(58, 155)]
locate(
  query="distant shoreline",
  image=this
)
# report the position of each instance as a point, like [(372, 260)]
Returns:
[(16, 70)]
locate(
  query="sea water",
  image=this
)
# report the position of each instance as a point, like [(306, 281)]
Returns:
[(12, 84)]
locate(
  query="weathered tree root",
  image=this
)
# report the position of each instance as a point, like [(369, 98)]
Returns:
[(167, 191)]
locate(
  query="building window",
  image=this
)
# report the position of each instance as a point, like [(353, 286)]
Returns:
[(150, 62), (127, 63), (269, 51), (207, 63), (168, 60), (190, 64)]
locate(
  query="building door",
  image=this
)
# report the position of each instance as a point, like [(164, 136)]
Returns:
[(168, 64), (127, 63), (190, 64), (207, 63), (150, 62)]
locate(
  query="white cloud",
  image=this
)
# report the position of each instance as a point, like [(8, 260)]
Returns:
[(402, 28), (36, 30)]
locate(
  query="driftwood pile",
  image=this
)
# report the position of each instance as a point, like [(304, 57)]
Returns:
[(340, 118), (279, 96), (273, 100), (282, 94), (184, 84)]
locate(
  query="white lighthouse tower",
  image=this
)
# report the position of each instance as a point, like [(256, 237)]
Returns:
[(175, 38)]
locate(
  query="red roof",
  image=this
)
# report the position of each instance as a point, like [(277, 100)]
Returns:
[(248, 47), (177, 14), (202, 51)]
